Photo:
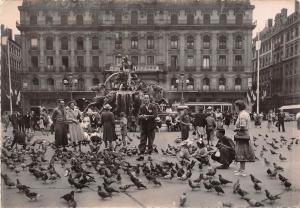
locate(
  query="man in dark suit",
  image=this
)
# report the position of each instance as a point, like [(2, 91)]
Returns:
[(281, 116), (147, 115), (200, 123)]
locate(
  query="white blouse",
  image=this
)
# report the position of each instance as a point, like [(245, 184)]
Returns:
[(243, 120)]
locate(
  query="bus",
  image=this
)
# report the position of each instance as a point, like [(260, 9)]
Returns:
[(195, 106)]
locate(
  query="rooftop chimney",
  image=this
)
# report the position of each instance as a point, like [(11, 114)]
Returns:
[(297, 9), (270, 23), (284, 12)]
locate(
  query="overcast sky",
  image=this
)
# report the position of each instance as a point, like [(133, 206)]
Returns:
[(264, 9)]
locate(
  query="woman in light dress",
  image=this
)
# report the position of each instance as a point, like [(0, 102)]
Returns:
[(75, 130)]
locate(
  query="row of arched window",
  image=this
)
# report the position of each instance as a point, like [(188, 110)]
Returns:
[(50, 82), (206, 81), (190, 42)]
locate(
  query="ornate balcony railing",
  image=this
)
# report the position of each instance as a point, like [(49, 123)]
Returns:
[(222, 68)]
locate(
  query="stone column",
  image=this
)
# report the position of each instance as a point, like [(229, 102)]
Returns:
[(214, 44), (42, 54), (181, 52), (57, 57), (72, 57), (142, 46), (198, 46), (248, 51), (88, 48), (230, 45), (25, 47)]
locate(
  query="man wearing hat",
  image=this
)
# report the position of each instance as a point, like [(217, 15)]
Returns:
[(147, 115), (226, 149), (108, 122)]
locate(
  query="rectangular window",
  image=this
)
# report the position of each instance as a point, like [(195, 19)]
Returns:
[(95, 61), (174, 43), (33, 20), (64, 19), (134, 43), (49, 20), (174, 19), (223, 19), (174, 61), (80, 61), (34, 43), (150, 43), (150, 19), (50, 61), (34, 61), (222, 60), (206, 62), (118, 60), (95, 43), (190, 19), (150, 60), (134, 17), (238, 60), (238, 19), (118, 19), (190, 61), (94, 19), (118, 42), (206, 19), (135, 60), (65, 61)]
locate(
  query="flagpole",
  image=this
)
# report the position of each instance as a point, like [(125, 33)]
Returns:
[(9, 77), (258, 62)]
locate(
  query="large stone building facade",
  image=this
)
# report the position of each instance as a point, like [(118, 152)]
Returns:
[(12, 56), (279, 60), (202, 47)]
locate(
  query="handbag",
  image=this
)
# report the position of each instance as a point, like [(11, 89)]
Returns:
[(241, 135)]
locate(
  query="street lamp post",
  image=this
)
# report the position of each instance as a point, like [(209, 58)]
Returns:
[(258, 43), (182, 82), (70, 82)]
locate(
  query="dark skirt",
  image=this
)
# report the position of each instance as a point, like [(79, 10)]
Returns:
[(108, 132), (184, 132), (244, 151), (61, 134)]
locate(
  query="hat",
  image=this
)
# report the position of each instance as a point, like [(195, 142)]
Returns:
[(107, 106), (72, 101), (209, 108)]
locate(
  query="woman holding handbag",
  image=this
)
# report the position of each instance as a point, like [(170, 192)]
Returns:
[(243, 149)]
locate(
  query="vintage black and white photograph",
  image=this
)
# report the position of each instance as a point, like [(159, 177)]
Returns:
[(150, 103)]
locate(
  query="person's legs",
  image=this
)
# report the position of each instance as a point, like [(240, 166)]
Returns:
[(151, 137), (283, 129), (279, 126), (143, 141)]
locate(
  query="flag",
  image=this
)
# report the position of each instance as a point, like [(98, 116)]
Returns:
[(18, 98)]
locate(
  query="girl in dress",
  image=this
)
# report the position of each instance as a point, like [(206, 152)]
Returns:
[(41, 125), (123, 125), (243, 148)]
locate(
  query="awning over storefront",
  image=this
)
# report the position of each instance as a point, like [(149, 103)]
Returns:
[(289, 107)]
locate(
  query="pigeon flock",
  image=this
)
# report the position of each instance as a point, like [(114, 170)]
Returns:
[(108, 174)]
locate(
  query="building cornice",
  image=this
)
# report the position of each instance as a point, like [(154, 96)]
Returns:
[(135, 27)]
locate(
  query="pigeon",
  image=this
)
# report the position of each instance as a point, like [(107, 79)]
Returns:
[(282, 178), (287, 184), (182, 200), (211, 172), (156, 182), (214, 182), (271, 197), (242, 192), (236, 186), (31, 195), (125, 187), (253, 202), (257, 187), (266, 161), (227, 204), (21, 187), (80, 186), (223, 181), (277, 167), (103, 194), (109, 189), (254, 180), (71, 180), (193, 186), (282, 158), (72, 203), (219, 190), (273, 152), (199, 179), (271, 174), (207, 186), (68, 196)]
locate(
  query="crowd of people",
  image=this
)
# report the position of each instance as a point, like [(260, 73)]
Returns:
[(71, 127)]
